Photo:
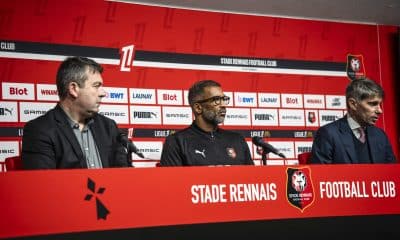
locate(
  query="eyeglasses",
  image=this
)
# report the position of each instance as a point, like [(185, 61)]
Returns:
[(217, 100)]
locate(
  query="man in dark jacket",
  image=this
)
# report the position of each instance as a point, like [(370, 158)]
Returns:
[(73, 134), (204, 143), (354, 138)]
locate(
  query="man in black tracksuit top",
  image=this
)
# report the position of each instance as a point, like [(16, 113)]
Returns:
[(203, 143)]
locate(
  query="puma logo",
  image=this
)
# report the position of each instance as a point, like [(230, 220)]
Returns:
[(200, 152)]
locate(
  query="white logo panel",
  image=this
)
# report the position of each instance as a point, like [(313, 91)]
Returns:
[(185, 97), (335, 102), (8, 112), (245, 99), (8, 149), (292, 100), (142, 96), (169, 97), (145, 114), (287, 148), (150, 149), (328, 116), (264, 117), (177, 115), (18, 91), (115, 95), (32, 110), (272, 100), (291, 117), (237, 117), (312, 119), (47, 92), (119, 113), (314, 101)]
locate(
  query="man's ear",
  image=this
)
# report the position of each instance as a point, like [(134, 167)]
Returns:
[(73, 89), (197, 108), (353, 104)]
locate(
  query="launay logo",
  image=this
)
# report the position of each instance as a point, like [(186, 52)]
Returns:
[(101, 210)]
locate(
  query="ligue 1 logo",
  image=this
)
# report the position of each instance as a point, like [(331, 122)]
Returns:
[(299, 187)]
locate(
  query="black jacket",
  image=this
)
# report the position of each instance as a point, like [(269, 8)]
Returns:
[(195, 147), (49, 142), (334, 143)]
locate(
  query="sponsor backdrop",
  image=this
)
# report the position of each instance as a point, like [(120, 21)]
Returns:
[(285, 77)]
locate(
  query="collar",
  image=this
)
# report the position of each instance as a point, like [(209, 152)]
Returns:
[(352, 123), (197, 128), (75, 125)]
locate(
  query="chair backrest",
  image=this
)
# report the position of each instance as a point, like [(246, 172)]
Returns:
[(304, 158), (13, 163), (3, 167)]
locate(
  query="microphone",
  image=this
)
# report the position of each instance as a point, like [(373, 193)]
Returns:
[(266, 146), (129, 144)]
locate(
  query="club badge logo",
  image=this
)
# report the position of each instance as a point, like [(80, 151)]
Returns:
[(231, 152), (355, 67), (311, 117), (299, 188)]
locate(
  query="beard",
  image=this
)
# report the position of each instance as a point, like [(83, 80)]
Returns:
[(214, 117)]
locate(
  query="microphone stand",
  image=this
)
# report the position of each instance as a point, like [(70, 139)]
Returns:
[(264, 156), (128, 153)]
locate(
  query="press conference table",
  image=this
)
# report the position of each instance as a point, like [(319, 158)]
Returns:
[(201, 202)]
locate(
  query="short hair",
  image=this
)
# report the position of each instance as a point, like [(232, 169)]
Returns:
[(362, 89), (73, 69), (197, 89)]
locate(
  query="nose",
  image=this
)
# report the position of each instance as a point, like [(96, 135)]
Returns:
[(102, 92), (378, 109)]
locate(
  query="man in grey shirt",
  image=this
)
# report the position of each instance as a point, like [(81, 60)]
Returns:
[(73, 134)]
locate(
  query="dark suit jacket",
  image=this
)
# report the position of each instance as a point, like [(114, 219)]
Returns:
[(334, 143), (49, 142)]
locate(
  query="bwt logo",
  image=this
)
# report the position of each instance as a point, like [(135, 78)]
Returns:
[(115, 95), (144, 115), (290, 100), (245, 99), (18, 91), (169, 97), (263, 117), (6, 111)]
